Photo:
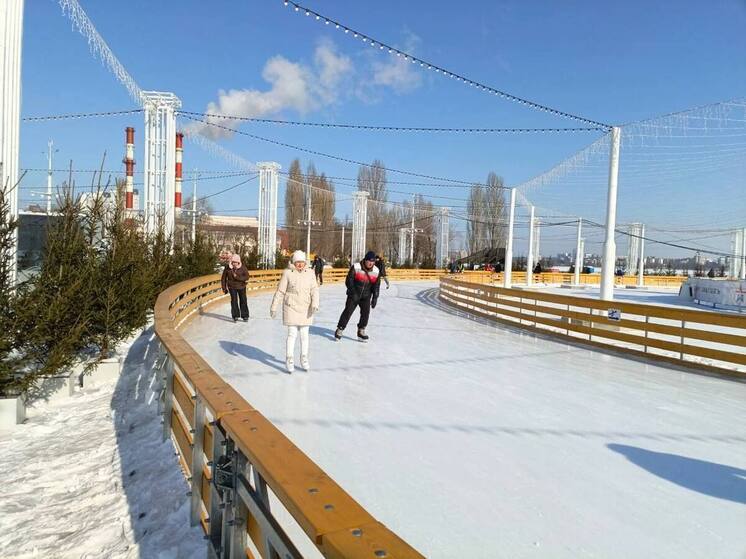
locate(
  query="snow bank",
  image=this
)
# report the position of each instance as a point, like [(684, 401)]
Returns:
[(89, 476)]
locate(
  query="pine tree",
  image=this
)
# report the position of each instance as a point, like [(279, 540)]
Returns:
[(54, 308), (11, 360)]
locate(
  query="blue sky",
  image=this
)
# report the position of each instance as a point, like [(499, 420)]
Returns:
[(610, 62)]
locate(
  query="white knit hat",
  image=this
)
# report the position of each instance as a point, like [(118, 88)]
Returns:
[(299, 256)]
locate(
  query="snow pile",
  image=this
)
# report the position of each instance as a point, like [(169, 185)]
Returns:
[(89, 476)]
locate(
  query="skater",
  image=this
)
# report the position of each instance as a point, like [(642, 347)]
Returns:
[(235, 276), (318, 268), (299, 294), (362, 290), (381, 265)]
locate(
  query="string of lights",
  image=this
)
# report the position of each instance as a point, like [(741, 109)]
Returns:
[(380, 45), (327, 155), (80, 115), (228, 189), (379, 128)]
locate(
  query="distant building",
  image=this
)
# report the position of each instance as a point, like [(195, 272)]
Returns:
[(228, 230)]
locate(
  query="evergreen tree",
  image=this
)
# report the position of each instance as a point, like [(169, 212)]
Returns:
[(54, 308), (11, 360)]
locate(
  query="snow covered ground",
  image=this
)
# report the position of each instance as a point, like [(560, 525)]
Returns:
[(475, 440), (89, 476)]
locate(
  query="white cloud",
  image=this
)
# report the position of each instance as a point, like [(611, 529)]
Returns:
[(304, 88), (395, 72), (294, 86)]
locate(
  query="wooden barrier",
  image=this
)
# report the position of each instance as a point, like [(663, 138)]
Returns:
[(234, 457), (706, 341)]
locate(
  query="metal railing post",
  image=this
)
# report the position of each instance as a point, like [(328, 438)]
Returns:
[(168, 395), (198, 434)]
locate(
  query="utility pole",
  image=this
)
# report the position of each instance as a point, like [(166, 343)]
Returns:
[(343, 242), (308, 222), (50, 145), (194, 208)]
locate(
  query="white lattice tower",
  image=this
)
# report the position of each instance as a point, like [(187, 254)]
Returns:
[(402, 245), (441, 243), (267, 235), (633, 248), (737, 265), (537, 240), (359, 224), (160, 160), (11, 31)]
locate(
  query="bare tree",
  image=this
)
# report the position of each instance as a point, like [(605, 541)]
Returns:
[(372, 179), (294, 205)]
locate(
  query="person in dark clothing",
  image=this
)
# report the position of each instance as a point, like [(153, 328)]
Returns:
[(318, 269), (235, 276), (381, 265), (363, 285), (537, 268)]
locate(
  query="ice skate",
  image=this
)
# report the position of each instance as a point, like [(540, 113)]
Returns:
[(304, 363), (289, 364), (362, 336), (338, 334)]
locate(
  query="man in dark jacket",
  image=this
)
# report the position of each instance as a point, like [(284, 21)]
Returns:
[(235, 276), (363, 284), (318, 269)]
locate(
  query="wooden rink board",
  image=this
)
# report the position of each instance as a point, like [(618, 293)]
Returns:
[(551, 313)]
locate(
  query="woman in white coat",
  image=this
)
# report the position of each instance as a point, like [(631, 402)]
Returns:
[(299, 294)]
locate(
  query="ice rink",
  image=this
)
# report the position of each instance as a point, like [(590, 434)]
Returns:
[(475, 440)]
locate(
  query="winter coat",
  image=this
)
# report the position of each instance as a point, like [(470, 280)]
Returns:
[(299, 294), (318, 265), (234, 278), (362, 283)]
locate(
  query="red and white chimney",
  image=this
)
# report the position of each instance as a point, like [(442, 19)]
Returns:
[(129, 164), (179, 157)]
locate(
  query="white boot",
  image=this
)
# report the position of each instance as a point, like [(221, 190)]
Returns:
[(304, 363), (289, 364)]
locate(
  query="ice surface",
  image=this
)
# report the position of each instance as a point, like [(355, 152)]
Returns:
[(475, 440), (90, 477)]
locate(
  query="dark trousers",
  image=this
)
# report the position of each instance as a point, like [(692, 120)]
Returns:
[(238, 298), (320, 277), (363, 303)]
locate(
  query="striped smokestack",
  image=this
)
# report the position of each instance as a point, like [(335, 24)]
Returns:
[(129, 164), (179, 156)]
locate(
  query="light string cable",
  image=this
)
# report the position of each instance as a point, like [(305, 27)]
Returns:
[(98, 47), (380, 45), (80, 115), (382, 128), (319, 153)]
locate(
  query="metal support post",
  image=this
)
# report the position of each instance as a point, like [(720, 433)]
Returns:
[(198, 434), (168, 395), (194, 209), (530, 258), (578, 254), (743, 255), (308, 221), (608, 264), (641, 264), (508, 272)]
